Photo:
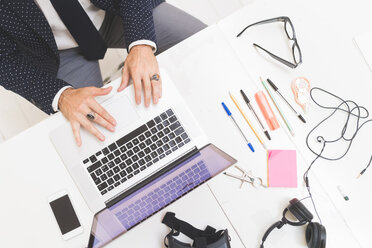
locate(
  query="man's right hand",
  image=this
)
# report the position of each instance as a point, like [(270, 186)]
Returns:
[(75, 104)]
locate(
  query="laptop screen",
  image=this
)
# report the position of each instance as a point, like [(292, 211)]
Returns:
[(116, 220)]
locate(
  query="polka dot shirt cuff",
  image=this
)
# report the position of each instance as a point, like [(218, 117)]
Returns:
[(56, 98), (143, 42)]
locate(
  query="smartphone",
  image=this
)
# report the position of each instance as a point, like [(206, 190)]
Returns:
[(65, 215)]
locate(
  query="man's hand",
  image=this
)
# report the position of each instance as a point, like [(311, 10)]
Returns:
[(75, 104), (141, 65)]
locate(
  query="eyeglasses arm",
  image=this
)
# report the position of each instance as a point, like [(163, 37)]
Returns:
[(276, 19), (287, 63)]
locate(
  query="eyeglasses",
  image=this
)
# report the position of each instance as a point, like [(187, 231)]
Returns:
[(291, 34)]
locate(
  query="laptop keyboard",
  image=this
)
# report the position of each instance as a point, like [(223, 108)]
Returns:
[(136, 151), (163, 195)]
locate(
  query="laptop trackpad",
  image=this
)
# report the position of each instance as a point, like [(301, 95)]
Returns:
[(122, 109)]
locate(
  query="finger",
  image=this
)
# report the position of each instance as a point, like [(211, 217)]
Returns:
[(156, 90), (124, 79), (160, 88), (90, 128), (101, 91), (76, 130), (104, 123), (147, 88), (137, 89), (96, 107)]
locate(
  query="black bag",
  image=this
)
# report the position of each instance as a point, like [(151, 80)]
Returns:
[(208, 238)]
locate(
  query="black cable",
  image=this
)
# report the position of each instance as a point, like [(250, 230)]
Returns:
[(364, 170), (352, 110), (306, 180), (304, 198)]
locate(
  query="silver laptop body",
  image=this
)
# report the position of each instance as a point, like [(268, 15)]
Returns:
[(94, 163)]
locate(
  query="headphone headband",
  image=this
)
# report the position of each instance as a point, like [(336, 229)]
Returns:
[(278, 224), (304, 216)]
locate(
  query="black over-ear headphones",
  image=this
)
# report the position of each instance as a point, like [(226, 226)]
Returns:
[(315, 232)]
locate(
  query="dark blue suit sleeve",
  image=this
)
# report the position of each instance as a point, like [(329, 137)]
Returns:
[(136, 15), (22, 77)]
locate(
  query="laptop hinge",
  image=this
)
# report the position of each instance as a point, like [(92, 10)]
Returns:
[(151, 178)]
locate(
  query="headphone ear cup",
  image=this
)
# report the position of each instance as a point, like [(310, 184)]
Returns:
[(315, 235), (300, 211)]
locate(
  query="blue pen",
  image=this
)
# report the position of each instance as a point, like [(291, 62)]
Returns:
[(236, 124)]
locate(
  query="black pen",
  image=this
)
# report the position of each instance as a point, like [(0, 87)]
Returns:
[(276, 89), (255, 114)]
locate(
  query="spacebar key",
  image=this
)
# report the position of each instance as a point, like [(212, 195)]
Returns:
[(131, 135)]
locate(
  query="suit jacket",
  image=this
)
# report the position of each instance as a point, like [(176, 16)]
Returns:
[(29, 58)]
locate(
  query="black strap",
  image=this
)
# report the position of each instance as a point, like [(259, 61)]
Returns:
[(81, 28), (201, 237)]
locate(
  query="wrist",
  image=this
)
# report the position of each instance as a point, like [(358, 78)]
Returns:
[(63, 96), (141, 47)]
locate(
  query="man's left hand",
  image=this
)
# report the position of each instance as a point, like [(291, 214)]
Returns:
[(140, 66)]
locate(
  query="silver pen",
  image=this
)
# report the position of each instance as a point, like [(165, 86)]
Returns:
[(255, 114), (276, 89)]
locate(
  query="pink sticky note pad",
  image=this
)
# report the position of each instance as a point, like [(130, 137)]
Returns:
[(282, 168)]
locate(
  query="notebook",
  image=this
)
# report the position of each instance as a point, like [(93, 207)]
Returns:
[(282, 168), (364, 43)]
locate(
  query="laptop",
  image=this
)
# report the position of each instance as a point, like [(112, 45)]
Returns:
[(146, 141), (157, 192)]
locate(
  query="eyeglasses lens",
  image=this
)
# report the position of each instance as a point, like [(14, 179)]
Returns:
[(289, 30), (296, 54)]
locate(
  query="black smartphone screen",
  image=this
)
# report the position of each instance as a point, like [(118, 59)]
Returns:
[(65, 214)]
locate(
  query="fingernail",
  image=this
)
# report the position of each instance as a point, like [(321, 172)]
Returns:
[(102, 138), (156, 101), (114, 123), (112, 129)]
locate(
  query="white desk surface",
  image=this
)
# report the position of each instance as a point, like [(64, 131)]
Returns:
[(205, 67), (325, 31)]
